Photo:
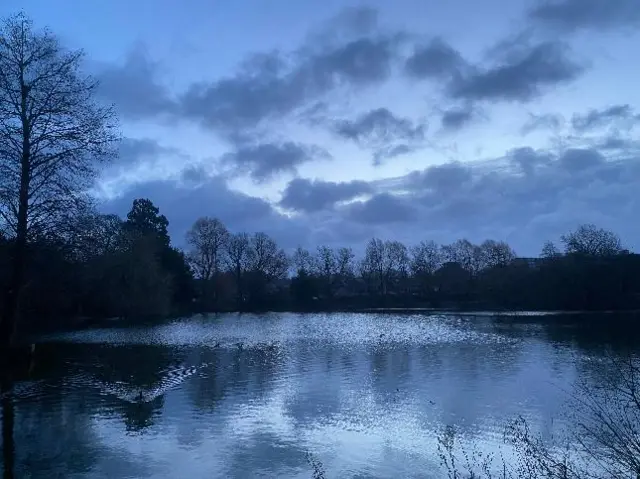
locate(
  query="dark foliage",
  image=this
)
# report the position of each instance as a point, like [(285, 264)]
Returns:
[(108, 267)]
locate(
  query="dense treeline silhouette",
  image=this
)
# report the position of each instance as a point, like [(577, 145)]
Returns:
[(105, 266), (593, 272)]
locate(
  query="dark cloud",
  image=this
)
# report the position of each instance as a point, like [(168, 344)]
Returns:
[(443, 178), (392, 151), (548, 121), (382, 208), (521, 77), (265, 160), (616, 142), (572, 15), (195, 174), (527, 159), (134, 87), (349, 23), (314, 195), (456, 118), (436, 59), (495, 200), (442, 202), (182, 203), (616, 115), (575, 159), (133, 152), (279, 85), (379, 130)]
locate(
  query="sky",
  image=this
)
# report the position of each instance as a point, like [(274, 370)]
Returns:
[(334, 122)]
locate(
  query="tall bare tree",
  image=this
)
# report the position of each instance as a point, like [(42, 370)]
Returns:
[(302, 261), (207, 238), (496, 253), (239, 259), (383, 262), (345, 265), (589, 240), (52, 133), (426, 258), (465, 253), (550, 251), (268, 260)]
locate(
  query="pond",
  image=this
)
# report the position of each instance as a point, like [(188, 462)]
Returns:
[(277, 395)]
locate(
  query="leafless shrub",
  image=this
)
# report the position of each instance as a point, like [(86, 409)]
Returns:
[(602, 441)]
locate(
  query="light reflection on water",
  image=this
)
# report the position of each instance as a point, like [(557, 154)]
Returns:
[(259, 395)]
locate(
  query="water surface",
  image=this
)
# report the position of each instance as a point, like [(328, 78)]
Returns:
[(358, 395)]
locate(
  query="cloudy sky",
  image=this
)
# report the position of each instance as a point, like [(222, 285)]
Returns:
[(331, 122)]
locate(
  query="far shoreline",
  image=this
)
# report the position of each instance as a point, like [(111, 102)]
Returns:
[(96, 323)]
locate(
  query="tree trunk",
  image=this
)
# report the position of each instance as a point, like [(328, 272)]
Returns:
[(18, 258)]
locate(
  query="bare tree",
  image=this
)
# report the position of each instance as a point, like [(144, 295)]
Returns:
[(96, 235), (397, 263), (608, 418), (345, 265), (590, 240), (602, 438), (207, 238), (327, 269), (267, 259), (52, 134), (372, 266), (239, 259), (496, 253), (383, 262), (426, 258), (466, 254), (326, 262), (302, 260), (550, 250)]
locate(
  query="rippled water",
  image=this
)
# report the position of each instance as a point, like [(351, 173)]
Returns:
[(359, 395)]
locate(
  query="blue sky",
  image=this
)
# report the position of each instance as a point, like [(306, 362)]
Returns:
[(332, 122)]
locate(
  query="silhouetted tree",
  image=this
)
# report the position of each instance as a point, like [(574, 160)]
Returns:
[(267, 264), (384, 264), (139, 285), (207, 240), (239, 259), (590, 240), (425, 260), (174, 262), (550, 251), (466, 254), (144, 219), (496, 253), (52, 134), (303, 260)]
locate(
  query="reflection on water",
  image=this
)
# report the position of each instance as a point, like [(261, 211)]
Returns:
[(275, 395)]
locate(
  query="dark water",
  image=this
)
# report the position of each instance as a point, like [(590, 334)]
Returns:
[(359, 395)]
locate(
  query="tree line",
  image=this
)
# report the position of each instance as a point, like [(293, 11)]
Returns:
[(103, 266), (60, 259), (588, 270)]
